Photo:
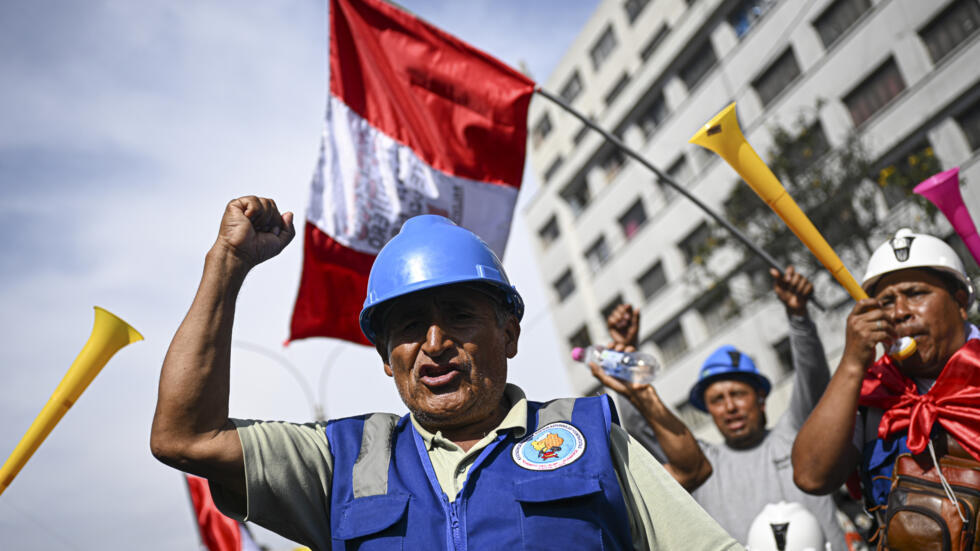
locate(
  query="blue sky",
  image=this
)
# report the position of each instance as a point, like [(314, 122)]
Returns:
[(126, 127)]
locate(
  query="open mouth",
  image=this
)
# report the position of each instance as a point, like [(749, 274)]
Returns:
[(438, 375), (735, 424)]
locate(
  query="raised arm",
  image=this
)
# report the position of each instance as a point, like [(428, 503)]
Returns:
[(191, 430), (685, 460), (823, 455), (809, 360)]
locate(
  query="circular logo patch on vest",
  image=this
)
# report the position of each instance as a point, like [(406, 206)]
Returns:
[(552, 446)]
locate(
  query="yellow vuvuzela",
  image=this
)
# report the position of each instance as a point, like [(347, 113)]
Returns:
[(109, 334), (723, 136)]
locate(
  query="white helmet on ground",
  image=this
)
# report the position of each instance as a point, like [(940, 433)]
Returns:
[(786, 527), (915, 250)]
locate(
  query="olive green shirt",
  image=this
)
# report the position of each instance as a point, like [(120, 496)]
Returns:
[(288, 469)]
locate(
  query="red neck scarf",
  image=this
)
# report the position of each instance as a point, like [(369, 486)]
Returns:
[(954, 401)]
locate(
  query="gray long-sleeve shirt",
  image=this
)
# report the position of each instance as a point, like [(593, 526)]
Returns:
[(744, 481)]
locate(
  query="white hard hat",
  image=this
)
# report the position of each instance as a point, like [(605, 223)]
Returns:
[(915, 250), (786, 527)]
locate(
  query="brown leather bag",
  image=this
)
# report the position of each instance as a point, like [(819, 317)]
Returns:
[(920, 516)]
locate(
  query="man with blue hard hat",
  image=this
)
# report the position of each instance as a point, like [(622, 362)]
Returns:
[(474, 465), (735, 480)]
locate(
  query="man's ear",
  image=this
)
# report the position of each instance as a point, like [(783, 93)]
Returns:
[(961, 296), (512, 332), (381, 346)]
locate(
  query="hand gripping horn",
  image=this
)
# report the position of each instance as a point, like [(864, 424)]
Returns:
[(109, 334), (723, 136), (943, 190)]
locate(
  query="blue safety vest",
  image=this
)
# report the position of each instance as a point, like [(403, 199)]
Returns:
[(385, 495)]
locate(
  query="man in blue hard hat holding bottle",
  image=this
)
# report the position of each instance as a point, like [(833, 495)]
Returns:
[(735, 480), (475, 465)]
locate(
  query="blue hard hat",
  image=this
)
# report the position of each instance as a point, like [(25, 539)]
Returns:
[(727, 363), (432, 251)]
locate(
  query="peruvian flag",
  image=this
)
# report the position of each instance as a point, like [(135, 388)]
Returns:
[(417, 122), (218, 532)]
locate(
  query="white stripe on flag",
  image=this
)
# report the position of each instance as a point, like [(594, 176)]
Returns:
[(366, 185)]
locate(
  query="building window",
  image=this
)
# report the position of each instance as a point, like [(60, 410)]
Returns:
[(680, 171), (652, 281), (541, 130), (952, 27), (603, 47), (581, 134), (651, 118), (874, 92), (634, 8), (654, 42), (577, 196), (633, 220), (607, 310), (580, 338), (572, 88), (834, 22), (777, 77), (698, 66), (612, 162), (717, 308), (564, 285), (597, 254), (747, 14), (671, 342), (969, 121), (549, 232), (694, 245), (617, 89), (784, 355), (553, 168)]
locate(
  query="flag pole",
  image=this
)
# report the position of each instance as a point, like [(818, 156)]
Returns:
[(670, 181)]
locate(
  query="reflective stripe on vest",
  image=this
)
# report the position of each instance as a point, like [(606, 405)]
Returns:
[(370, 472)]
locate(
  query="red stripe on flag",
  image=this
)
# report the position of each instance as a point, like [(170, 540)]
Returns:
[(331, 289), (462, 111), (218, 532)]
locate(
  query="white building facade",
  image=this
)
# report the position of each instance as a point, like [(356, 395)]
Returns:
[(904, 74)]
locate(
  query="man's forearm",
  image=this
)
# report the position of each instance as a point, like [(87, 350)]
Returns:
[(685, 460), (812, 373), (192, 407), (823, 455)]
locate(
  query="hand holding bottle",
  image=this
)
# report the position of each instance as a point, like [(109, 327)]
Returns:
[(632, 367)]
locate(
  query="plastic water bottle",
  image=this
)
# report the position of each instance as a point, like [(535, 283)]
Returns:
[(634, 367)]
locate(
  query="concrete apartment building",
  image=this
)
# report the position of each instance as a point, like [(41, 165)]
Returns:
[(904, 73)]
